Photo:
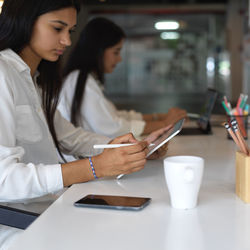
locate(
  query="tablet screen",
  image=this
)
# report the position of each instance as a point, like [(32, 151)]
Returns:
[(169, 134)]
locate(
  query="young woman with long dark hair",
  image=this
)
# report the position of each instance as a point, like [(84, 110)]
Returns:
[(82, 101), (33, 36)]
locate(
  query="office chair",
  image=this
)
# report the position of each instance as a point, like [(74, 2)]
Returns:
[(16, 217)]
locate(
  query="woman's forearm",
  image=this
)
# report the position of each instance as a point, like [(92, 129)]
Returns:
[(150, 117), (110, 162), (76, 172)]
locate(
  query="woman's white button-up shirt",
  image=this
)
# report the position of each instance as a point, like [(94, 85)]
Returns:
[(29, 162)]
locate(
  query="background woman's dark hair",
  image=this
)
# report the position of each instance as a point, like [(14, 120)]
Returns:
[(16, 25), (87, 56)]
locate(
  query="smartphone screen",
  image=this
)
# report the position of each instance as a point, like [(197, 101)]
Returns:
[(113, 202)]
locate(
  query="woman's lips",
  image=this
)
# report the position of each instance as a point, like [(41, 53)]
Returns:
[(59, 51)]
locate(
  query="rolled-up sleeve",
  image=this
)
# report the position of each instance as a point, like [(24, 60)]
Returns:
[(130, 115), (75, 140), (20, 180)]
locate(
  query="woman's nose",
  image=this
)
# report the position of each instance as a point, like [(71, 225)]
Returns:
[(66, 40)]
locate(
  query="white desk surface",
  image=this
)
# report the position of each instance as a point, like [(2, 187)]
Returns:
[(220, 221)]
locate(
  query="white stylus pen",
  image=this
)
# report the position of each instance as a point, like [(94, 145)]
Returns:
[(116, 145), (119, 176)]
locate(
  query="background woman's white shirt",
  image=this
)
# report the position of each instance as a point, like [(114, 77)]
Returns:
[(98, 114)]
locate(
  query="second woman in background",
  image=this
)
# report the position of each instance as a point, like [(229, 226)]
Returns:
[(82, 101)]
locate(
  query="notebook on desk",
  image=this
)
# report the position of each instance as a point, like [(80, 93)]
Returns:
[(202, 124)]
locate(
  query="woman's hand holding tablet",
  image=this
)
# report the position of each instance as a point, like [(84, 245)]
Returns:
[(166, 136), (160, 138)]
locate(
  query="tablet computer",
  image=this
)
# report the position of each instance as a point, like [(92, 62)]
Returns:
[(164, 138), (113, 202)]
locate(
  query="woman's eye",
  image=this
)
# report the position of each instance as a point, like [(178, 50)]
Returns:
[(57, 29)]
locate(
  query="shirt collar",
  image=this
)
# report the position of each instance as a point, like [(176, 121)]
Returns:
[(15, 60), (93, 76)]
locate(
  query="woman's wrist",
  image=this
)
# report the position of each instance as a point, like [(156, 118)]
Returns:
[(76, 172), (97, 163), (92, 167)]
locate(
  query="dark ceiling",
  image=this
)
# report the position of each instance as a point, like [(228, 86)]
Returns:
[(203, 9), (146, 2)]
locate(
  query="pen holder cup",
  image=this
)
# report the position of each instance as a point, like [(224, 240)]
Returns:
[(242, 181), (242, 121)]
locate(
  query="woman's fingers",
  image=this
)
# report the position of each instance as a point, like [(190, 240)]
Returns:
[(137, 156), (154, 135), (134, 166), (138, 147), (127, 138), (128, 166), (159, 153), (125, 159), (132, 157)]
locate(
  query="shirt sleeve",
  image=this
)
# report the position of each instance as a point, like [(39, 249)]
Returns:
[(130, 115), (20, 181), (101, 115), (76, 140)]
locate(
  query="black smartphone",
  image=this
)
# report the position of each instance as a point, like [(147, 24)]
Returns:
[(113, 202)]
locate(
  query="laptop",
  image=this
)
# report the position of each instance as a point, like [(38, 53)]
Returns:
[(202, 125)]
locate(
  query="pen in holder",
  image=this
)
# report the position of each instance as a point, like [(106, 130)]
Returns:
[(242, 182), (242, 121)]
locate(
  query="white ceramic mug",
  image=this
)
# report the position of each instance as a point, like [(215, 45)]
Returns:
[(183, 175)]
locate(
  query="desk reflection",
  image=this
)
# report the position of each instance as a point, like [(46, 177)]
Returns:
[(185, 224)]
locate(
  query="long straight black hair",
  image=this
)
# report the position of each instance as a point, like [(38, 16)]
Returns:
[(87, 57), (16, 25)]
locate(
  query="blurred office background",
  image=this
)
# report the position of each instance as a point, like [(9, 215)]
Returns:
[(173, 66), (210, 47)]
